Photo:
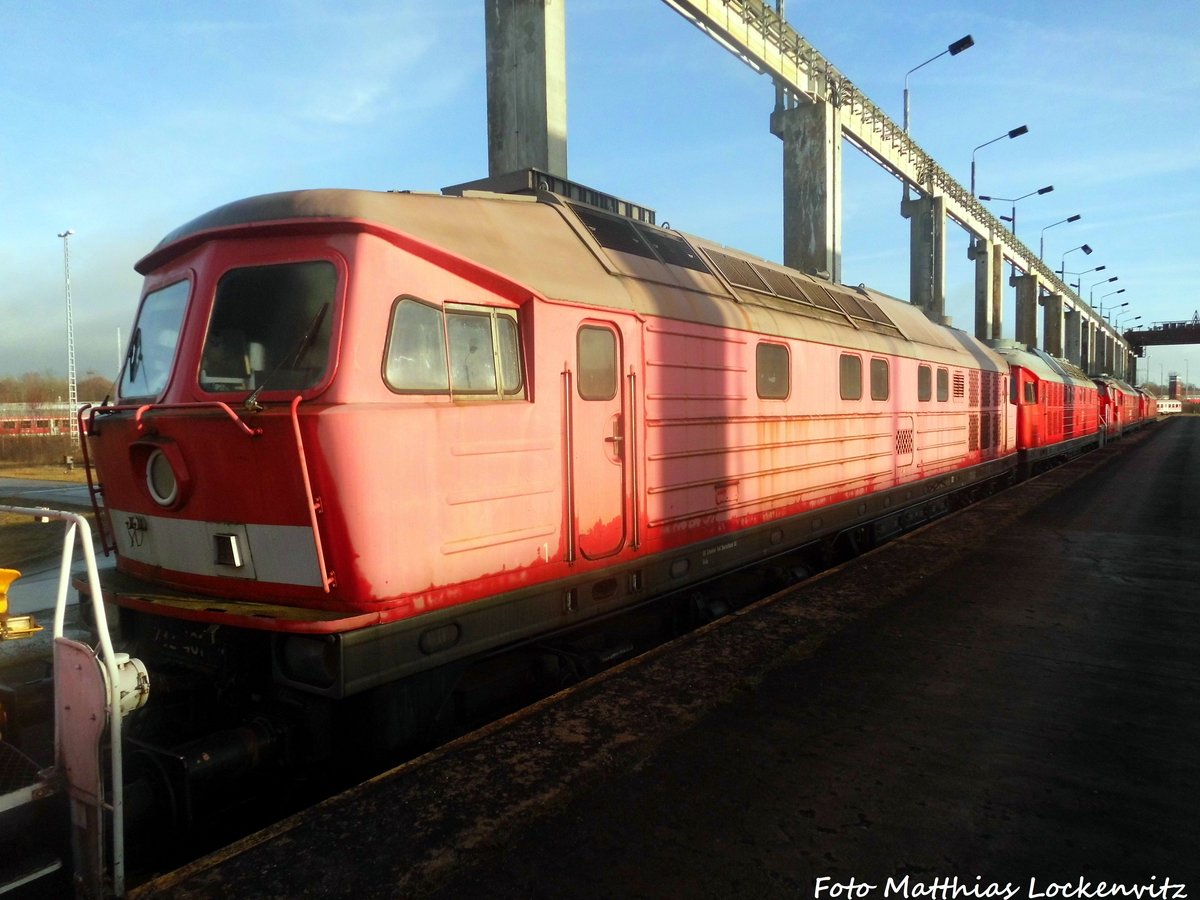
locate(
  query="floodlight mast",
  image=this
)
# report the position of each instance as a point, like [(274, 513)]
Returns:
[(72, 382)]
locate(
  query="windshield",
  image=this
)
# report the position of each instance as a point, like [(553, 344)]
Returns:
[(270, 322), (152, 346)]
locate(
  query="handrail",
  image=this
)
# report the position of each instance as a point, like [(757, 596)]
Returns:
[(328, 579), (144, 409), (632, 460), (569, 462), (77, 523), (95, 490)]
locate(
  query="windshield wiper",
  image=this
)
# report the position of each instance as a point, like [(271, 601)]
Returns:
[(133, 356), (251, 403)]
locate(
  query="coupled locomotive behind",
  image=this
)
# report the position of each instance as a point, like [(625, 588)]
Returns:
[(363, 438)]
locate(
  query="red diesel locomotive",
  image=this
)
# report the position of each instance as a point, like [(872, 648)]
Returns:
[(362, 437)]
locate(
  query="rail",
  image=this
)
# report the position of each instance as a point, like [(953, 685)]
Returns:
[(328, 579)]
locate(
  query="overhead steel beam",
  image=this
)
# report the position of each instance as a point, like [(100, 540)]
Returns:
[(759, 36)]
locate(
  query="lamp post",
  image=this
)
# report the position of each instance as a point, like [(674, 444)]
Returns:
[(1123, 315), (1015, 200), (1015, 133), (1042, 240), (1062, 267), (954, 49), (1115, 306), (1092, 292), (72, 384), (1078, 285)]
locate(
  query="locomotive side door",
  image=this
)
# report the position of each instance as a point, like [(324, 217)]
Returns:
[(598, 441)]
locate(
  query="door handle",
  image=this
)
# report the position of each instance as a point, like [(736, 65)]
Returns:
[(616, 439)]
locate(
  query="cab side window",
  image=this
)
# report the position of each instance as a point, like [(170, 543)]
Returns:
[(416, 353), (472, 351)]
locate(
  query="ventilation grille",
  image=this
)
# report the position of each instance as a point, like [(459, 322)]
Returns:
[(613, 232), (672, 249), (973, 436), (754, 276), (626, 236), (782, 284), (960, 386), (738, 271), (904, 442), (989, 431)]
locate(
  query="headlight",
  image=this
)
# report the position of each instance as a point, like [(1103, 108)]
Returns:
[(161, 480), (308, 660)]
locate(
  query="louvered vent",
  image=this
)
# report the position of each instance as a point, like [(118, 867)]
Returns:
[(737, 271), (960, 385), (782, 284), (672, 249), (613, 232), (745, 274)]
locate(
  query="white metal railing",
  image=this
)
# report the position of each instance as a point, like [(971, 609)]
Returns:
[(125, 686)]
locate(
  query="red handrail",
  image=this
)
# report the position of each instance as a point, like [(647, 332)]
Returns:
[(328, 579)]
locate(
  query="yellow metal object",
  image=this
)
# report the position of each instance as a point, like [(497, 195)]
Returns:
[(13, 626), (7, 577)]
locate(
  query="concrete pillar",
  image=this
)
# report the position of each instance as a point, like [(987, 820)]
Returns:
[(927, 255), (1092, 357), (526, 86), (988, 256), (1073, 345), (1027, 303), (812, 187), (1052, 324)]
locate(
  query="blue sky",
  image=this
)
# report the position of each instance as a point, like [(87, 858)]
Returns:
[(123, 120)]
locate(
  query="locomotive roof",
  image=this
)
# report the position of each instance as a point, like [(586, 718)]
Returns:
[(569, 252), (1042, 364)]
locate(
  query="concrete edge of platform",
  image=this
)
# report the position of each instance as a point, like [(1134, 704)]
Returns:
[(448, 809)]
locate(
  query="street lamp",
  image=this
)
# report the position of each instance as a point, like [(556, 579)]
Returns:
[(1078, 285), (1015, 133), (1014, 200), (1115, 306), (1092, 292), (1042, 241), (954, 49), (72, 384), (1123, 315), (1062, 267)]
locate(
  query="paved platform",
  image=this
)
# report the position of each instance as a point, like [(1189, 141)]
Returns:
[(1010, 694)]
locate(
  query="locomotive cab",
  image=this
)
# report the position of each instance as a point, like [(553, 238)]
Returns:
[(1057, 406)]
